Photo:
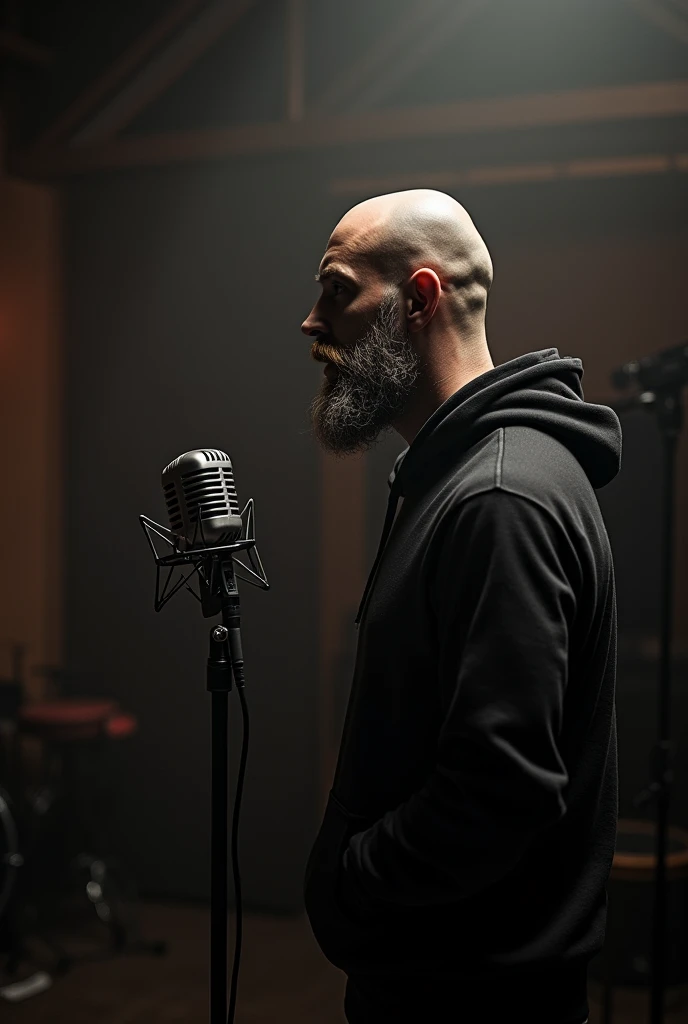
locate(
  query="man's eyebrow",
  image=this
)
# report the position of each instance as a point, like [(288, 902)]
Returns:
[(332, 270)]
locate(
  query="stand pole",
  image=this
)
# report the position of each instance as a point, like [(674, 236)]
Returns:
[(665, 403), (670, 421), (219, 685)]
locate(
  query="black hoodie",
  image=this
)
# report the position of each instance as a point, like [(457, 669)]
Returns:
[(462, 862)]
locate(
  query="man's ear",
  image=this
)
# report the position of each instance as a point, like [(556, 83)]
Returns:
[(422, 295)]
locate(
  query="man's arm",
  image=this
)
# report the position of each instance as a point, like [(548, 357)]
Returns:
[(504, 606)]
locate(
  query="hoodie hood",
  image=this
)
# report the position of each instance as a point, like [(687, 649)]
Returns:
[(538, 389)]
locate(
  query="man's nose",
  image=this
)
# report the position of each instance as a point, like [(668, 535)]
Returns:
[(313, 325)]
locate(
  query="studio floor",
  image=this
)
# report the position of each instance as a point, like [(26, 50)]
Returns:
[(284, 978)]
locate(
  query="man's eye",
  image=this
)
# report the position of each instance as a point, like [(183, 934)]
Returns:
[(335, 285)]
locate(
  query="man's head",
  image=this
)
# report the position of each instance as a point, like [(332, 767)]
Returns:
[(401, 317)]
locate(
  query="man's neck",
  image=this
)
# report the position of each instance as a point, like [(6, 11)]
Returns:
[(432, 393)]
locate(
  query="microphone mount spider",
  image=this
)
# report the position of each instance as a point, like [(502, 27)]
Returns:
[(214, 565)]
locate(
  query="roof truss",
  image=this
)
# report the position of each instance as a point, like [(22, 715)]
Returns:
[(87, 136)]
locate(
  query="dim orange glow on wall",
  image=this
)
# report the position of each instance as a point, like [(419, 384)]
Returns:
[(30, 421)]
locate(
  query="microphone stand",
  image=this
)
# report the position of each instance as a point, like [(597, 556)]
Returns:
[(664, 398), (219, 592)]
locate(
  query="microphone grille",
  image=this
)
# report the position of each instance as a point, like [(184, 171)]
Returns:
[(200, 494), (209, 454)]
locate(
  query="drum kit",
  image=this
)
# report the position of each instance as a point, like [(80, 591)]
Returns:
[(49, 889)]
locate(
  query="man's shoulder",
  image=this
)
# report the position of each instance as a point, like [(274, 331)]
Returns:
[(525, 462)]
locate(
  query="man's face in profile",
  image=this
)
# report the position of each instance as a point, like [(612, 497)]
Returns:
[(371, 367)]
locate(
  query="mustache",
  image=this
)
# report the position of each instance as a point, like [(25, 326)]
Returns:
[(323, 352)]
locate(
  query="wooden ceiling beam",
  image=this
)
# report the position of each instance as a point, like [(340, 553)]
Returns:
[(511, 174), (118, 72), (582, 106), (163, 69)]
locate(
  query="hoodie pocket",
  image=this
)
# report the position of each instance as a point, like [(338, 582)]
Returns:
[(342, 934), (370, 938)]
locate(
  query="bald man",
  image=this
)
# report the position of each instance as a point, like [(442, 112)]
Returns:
[(459, 874)]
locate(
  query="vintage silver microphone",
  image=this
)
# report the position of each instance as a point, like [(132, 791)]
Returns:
[(203, 512)]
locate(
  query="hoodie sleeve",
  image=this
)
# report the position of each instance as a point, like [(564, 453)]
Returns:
[(503, 607)]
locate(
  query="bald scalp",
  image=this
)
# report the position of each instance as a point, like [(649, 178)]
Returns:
[(397, 234)]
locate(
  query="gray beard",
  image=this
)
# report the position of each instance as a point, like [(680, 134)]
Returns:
[(374, 383)]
